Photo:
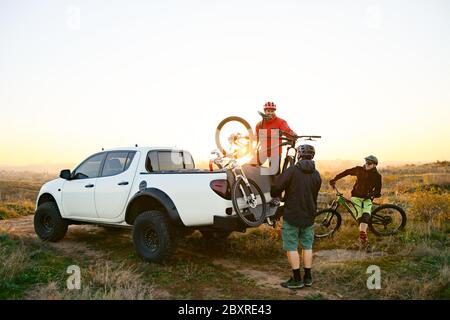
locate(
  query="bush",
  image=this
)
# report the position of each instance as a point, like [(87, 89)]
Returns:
[(14, 209), (430, 207)]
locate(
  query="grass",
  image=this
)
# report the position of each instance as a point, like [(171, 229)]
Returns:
[(414, 264), (403, 277), (191, 273), (14, 209), (23, 266), (35, 270)]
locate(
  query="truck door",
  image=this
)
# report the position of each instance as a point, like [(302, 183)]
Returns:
[(114, 184), (78, 192)]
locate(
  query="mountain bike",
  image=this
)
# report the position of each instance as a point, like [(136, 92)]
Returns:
[(247, 134), (254, 146), (290, 141), (247, 197), (385, 219)]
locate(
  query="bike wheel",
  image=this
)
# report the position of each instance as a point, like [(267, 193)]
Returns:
[(387, 219), (249, 202), (326, 223), (236, 121)]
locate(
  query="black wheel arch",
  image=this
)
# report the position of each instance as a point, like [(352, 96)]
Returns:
[(152, 199), (46, 197)]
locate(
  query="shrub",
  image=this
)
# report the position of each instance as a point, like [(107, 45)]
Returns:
[(430, 207)]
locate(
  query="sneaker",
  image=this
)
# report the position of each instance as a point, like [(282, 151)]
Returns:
[(367, 247), (293, 284), (308, 281), (363, 245)]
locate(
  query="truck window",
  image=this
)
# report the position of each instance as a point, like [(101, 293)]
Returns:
[(117, 162), (90, 168), (129, 160), (188, 160), (166, 160), (169, 160), (151, 164), (114, 164)]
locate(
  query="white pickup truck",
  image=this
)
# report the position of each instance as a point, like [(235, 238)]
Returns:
[(156, 191)]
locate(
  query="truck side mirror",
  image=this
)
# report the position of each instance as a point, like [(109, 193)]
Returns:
[(65, 174)]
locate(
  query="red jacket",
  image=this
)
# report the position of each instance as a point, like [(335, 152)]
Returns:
[(275, 123)]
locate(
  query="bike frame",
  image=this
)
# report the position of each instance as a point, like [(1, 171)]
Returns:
[(237, 171), (341, 200)]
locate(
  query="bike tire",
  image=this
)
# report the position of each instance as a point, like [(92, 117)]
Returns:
[(242, 213), (228, 120), (376, 212), (334, 214)]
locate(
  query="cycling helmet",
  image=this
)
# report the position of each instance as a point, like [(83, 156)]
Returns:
[(306, 150), (372, 158), (270, 105)]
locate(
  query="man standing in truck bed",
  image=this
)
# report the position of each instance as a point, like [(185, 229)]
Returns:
[(269, 122)]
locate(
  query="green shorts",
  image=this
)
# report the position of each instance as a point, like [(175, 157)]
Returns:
[(292, 234), (361, 206)]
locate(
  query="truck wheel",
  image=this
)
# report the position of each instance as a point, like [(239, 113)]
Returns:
[(152, 236), (215, 235), (48, 223)]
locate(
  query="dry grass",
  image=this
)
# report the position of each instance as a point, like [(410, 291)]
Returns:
[(414, 263), (116, 282), (101, 281), (14, 209), (12, 262), (430, 207)]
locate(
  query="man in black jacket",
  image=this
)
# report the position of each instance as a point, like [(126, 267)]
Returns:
[(301, 184), (366, 188)]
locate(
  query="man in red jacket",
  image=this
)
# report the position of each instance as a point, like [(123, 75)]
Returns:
[(271, 121)]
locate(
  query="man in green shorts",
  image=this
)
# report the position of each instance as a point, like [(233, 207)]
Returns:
[(366, 188), (301, 184)]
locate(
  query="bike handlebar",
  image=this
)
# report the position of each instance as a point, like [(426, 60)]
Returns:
[(337, 191), (294, 137)]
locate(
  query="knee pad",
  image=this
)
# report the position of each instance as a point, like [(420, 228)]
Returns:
[(365, 218)]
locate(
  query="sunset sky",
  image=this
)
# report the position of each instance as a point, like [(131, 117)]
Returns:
[(371, 77)]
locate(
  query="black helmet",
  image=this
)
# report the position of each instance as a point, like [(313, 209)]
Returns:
[(306, 150), (372, 159)]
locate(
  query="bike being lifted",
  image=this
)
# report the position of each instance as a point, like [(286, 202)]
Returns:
[(238, 146)]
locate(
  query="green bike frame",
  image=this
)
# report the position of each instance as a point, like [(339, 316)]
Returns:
[(350, 206)]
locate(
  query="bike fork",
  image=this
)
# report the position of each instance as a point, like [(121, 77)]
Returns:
[(250, 198)]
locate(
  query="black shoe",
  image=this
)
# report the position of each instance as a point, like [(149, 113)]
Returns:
[(275, 202), (364, 245), (308, 281), (293, 284)]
